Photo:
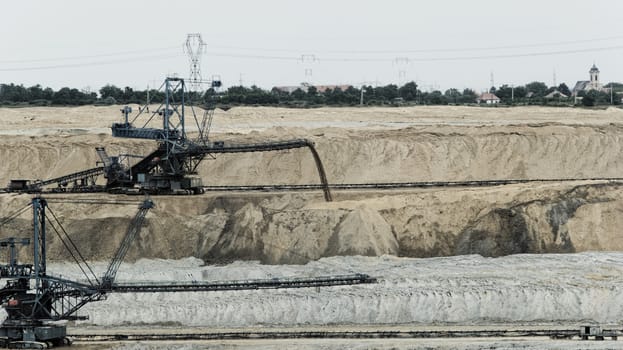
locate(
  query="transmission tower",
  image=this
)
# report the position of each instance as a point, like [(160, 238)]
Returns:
[(401, 63), (307, 60), (194, 47)]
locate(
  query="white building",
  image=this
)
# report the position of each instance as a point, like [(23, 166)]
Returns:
[(488, 98), (588, 85)]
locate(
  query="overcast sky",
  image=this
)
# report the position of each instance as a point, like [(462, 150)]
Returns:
[(437, 43)]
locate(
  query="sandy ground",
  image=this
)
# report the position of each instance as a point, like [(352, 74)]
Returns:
[(37, 120)]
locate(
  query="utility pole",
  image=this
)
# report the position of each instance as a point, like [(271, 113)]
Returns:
[(556, 86), (363, 89), (147, 102), (361, 97)]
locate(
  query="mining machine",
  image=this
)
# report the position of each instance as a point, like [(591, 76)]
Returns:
[(38, 303), (172, 167)]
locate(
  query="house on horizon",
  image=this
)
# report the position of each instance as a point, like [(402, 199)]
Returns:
[(487, 98), (555, 94)]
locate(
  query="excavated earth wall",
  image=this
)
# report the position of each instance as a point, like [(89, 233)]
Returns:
[(569, 216), (296, 228)]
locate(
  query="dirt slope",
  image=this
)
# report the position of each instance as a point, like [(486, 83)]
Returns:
[(356, 145)]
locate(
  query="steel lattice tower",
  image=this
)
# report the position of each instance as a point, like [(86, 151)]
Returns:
[(194, 47)]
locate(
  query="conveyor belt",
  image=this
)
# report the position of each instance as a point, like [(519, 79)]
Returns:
[(219, 147), (70, 177), (398, 185), (277, 283), (372, 186)]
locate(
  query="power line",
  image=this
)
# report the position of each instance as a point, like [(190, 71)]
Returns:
[(72, 58), (427, 50), (89, 64), (520, 55), (421, 59), (317, 58), (348, 59), (260, 57)]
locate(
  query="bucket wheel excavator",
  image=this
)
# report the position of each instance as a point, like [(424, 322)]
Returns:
[(38, 303), (172, 167)]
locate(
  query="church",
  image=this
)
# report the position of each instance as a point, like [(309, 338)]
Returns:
[(587, 85)]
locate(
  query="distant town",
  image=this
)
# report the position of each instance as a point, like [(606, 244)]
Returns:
[(588, 93)]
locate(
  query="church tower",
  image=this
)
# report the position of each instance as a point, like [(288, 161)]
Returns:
[(594, 72)]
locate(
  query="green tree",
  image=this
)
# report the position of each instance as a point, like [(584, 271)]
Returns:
[(601, 97), (453, 95), (468, 96), (128, 95), (298, 94), (386, 93), (506, 93), (281, 96), (62, 97), (408, 91), (235, 95), (335, 96), (35, 92), (111, 91), (564, 89), (537, 88), (437, 98), (588, 100), (312, 91), (520, 92), (14, 93), (48, 93), (369, 95), (351, 95), (257, 96)]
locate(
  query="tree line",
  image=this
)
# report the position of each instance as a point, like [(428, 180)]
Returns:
[(535, 93)]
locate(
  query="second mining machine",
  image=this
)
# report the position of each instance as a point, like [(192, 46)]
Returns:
[(39, 303)]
